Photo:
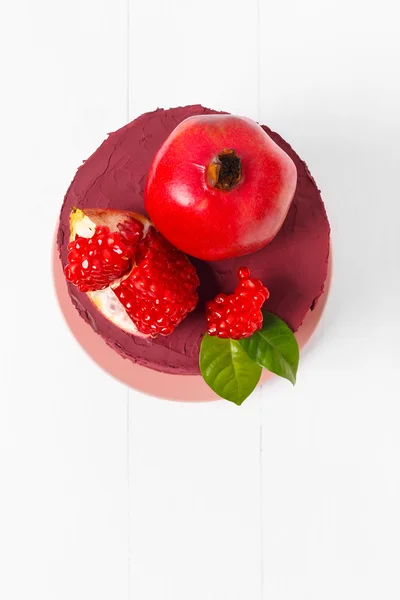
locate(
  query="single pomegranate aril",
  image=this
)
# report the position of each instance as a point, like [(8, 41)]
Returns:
[(93, 263), (238, 315), (161, 289)]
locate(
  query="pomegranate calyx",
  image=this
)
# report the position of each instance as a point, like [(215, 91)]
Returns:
[(225, 170)]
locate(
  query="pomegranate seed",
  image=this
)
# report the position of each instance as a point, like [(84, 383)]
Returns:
[(244, 273)]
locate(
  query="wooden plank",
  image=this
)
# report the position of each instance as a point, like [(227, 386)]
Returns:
[(331, 487), (63, 500), (195, 499), (195, 506)]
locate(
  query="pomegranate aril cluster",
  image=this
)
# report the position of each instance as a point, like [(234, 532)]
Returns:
[(238, 315), (93, 263), (161, 290), (131, 231)]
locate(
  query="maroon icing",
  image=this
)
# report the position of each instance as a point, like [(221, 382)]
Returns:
[(293, 266)]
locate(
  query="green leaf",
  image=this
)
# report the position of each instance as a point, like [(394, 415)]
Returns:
[(274, 347), (227, 369)]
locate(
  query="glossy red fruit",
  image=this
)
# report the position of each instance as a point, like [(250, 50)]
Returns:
[(238, 315), (93, 263), (219, 187), (161, 289)]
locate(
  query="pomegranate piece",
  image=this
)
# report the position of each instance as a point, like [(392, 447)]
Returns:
[(160, 291), (93, 263), (134, 277), (238, 315), (219, 187)]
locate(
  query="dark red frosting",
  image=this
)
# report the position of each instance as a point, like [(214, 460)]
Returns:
[(293, 266)]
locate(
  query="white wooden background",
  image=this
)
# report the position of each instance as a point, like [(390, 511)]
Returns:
[(108, 494)]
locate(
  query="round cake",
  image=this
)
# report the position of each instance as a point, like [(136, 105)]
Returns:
[(294, 265)]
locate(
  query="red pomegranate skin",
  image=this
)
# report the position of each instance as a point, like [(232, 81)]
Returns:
[(203, 220)]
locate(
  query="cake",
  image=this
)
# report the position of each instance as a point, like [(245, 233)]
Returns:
[(294, 265)]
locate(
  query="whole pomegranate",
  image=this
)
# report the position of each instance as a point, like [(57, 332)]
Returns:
[(219, 187)]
